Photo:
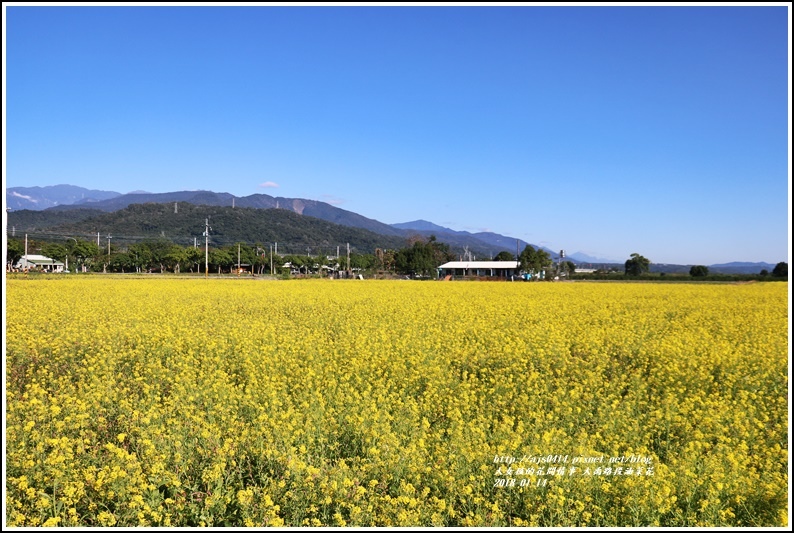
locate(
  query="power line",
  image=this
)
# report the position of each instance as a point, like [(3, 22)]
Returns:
[(280, 247)]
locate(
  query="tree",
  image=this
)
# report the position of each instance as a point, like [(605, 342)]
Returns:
[(780, 270), (384, 259), (153, 254), (84, 252), (243, 253), (764, 272), (504, 256), (321, 260), (296, 262), (570, 266), (699, 271), (177, 257), (637, 265), (416, 260), (55, 251), (121, 262), (423, 257), (532, 260), (194, 256), (262, 259), (222, 258), (15, 249), (441, 252), (363, 261), (160, 250), (140, 256)]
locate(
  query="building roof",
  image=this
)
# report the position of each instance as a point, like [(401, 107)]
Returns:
[(39, 260), (480, 264)]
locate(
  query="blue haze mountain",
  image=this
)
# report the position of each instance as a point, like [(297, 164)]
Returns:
[(38, 198), (63, 198)]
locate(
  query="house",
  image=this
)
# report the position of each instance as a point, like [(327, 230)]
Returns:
[(495, 269), (39, 262)]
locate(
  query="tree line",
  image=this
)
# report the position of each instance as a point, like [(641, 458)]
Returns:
[(162, 255), (637, 265), (421, 258)]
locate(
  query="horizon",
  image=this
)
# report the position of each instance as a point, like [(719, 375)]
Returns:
[(661, 130), (590, 259)]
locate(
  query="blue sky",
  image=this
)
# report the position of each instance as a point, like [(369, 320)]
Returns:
[(606, 130)]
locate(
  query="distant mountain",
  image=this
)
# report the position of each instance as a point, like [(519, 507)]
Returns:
[(312, 208), (484, 242), (580, 257), (739, 267), (58, 216), (294, 233), (38, 198), (503, 242), (123, 200), (422, 225), (742, 264), (65, 207), (482, 245), (724, 268)]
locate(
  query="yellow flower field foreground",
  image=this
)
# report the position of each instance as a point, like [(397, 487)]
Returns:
[(172, 402)]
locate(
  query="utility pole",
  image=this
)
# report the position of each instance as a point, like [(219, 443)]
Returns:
[(238, 257), (26, 248), (67, 252), (561, 267), (206, 247), (348, 258), (271, 259), (109, 237), (97, 239)]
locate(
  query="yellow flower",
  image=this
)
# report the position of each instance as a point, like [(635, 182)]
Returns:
[(172, 401)]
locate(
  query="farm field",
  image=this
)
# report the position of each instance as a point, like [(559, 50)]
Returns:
[(184, 402)]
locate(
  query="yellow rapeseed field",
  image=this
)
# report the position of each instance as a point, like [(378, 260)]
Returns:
[(181, 402)]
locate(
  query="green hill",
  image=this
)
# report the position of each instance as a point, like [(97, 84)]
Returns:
[(185, 225)]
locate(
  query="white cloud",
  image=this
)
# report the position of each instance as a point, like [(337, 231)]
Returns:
[(269, 185), (15, 193)]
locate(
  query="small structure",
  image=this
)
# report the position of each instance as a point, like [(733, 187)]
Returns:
[(492, 269), (39, 262)]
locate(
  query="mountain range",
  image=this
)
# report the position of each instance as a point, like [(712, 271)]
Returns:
[(66, 205), (38, 198), (62, 199)]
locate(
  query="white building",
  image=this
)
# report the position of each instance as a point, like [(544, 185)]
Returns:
[(39, 262), (496, 269)]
